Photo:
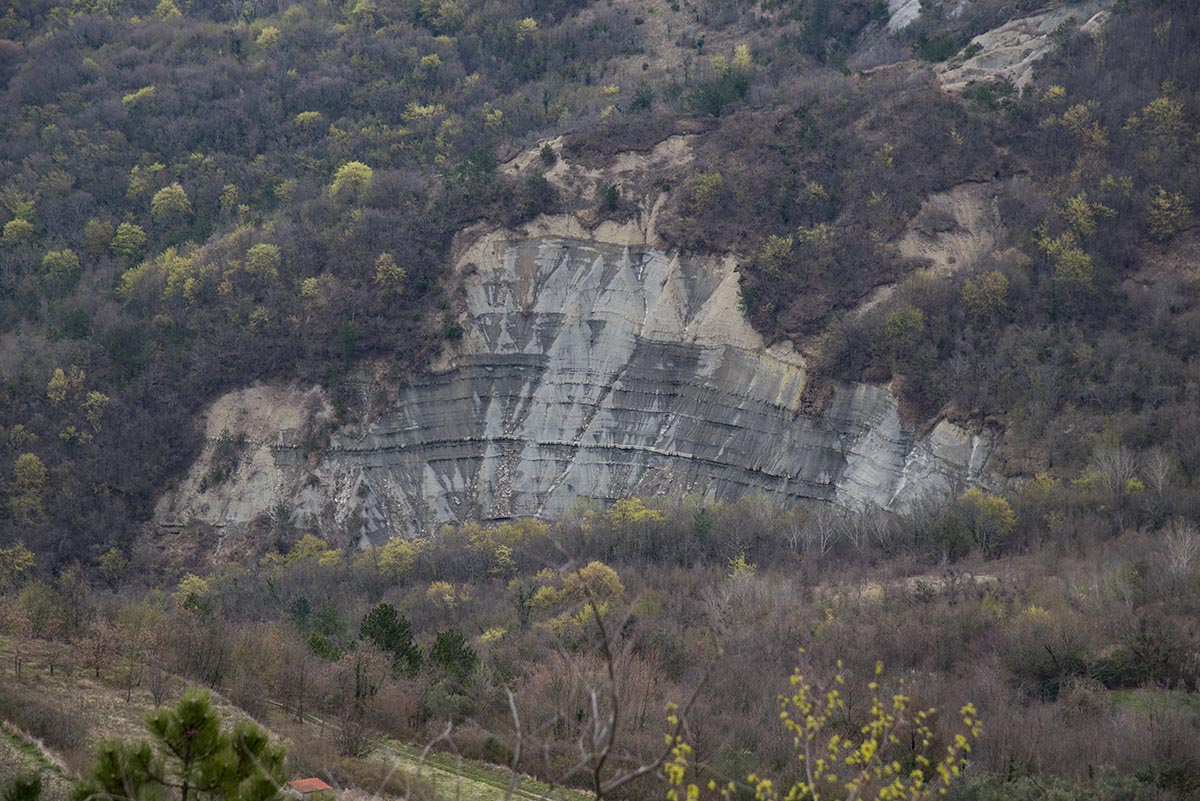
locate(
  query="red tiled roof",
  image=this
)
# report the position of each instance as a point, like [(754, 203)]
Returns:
[(306, 786)]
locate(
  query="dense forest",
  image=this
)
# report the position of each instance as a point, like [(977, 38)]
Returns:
[(195, 196)]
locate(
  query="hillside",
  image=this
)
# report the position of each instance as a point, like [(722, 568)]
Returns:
[(198, 203), (495, 375)]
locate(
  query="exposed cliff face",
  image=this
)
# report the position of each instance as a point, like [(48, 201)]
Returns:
[(592, 365), (1010, 51)]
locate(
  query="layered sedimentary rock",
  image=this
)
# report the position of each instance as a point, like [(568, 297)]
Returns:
[(591, 365)]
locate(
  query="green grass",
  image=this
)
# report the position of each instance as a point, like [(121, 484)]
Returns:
[(19, 755), (1144, 700), (468, 780)]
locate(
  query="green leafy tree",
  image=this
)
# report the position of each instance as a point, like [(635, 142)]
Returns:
[(352, 180), (392, 632), (18, 232), (990, 518), (1167, 214), (706, 187), (452, 654), (263, 260), (389, 275), (128, 241), (96, 236), (14, 561), (60, 267), (170, 205), (26, 500), (112, 565), (904, 328), (190, 758), (986, 296), (610, 196)]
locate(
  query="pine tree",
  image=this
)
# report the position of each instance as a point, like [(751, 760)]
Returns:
[(191, 758)]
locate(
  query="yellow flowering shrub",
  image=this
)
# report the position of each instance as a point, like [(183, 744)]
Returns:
[(870, 764)]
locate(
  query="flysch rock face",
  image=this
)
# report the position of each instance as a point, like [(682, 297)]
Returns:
[(592, 365), (1010, 51)]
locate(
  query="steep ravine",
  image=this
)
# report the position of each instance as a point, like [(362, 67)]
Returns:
[(592, 365)]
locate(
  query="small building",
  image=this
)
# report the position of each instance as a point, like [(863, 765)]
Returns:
[(310, 789)]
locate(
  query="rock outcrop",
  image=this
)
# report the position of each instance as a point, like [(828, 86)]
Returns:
[(592, 364), (1009, 52)]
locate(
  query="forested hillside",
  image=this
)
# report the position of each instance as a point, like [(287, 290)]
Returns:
[(199, 196)]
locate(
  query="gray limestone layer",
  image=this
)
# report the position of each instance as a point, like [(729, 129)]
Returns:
[(590, 366)]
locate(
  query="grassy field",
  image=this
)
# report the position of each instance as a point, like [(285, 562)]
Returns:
[(93, 709)]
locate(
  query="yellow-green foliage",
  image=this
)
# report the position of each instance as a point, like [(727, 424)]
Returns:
[(1073, 266), (1160, 125), (141, 97), (775, 252), (389, 275), (990, 517), (128, 241), (60, 266), (986, 296), (169, 274), (142, 178), (268, 37), (14, 561), (706, 187), (891, 757), (525, 29), (18, 232), (395, 559), (170, 204), (415, 111), (28, 488), (262, 261), (1081, 214), (167, 10), (623, 514), (1167, 214), (1078, 121), (309, 547), (352, 180), (904, 327), (191, 591), (445, 594), (819, 235), (579, 596)]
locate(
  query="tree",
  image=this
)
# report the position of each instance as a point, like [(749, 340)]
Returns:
[(190, 758), (986, 297), (128, 241), (888, 758), (262, 261), (389, 275), (392, 632), (60, 267), (96, 236), (26, 500), (990, 518), (101, 642), (112, 565), (352, 180), (170, 205), (1167, 214), (138, 621), (13, 562), (452, 654), (17, 232)]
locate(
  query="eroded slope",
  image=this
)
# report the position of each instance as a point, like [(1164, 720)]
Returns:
[(591, 365)]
